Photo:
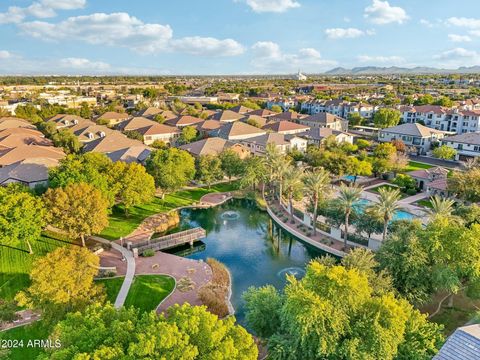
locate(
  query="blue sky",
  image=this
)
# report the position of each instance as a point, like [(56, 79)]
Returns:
[(234, 36)]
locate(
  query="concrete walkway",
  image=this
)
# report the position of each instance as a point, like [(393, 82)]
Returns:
[(127, 282), (414, 198)]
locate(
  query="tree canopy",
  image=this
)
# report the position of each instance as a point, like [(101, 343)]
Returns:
[(386, 117)]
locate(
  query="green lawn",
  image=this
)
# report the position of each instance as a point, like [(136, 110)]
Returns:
[(112, 287), (147, 291), (122, 225), (16, 263), (414, 165), (425, 203), (25, 333)]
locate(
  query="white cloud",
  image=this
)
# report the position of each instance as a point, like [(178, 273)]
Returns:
[(39, 9), (391, 60), (381, 13), (121, 29), (426, 23), (469, 23), (83, 64), (269, 57), (207, 46), (277, 6), (346, 33), (4, 54), (459, 38), (458, 57)]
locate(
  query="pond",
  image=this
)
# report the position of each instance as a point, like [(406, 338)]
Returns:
[(238, 236)]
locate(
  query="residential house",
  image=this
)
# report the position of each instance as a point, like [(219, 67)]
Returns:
[(14, 137), (112, 118), (325, 120), (10, 122), (208, 127), (463, 344), (31, 172), (226, 116), (255, 120), (466, 145), (317, 135), (287, 115), (238, 131), (184, 120), (67, 120), (151, 130), (285, 103), (424, 177), (22, 152), (262, 112), (285, 127), (215, 146), (413, 135), (86, 132), (149, 112), (284, 143), (241, 109)]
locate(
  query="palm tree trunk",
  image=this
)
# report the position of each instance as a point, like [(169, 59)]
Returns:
[(30, 250), (83, 240), (385, 226), (290, 204), (263, 189), (315, 209), (347, 215), (280, 192)]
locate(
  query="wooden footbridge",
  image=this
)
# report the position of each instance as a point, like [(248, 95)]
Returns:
[(169, 241)]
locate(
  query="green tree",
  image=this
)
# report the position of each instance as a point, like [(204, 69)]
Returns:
[(440, 207), (85, 111), (293, 186), (385, 117), (171, 168), (363, 144), (465, 184), (134, 185), (317, 187), (347, 198), (134, 134), (232, 165), (334, 313), (426, 99), (369, 223), (21, 216), (387, 205), (8, 311), (209, 169), (354, 118), (187, 333), (61, 282), (444, 152), (78, 209), (276, 108), (444, 101), (67, 140), (189, 134), (255, 171)]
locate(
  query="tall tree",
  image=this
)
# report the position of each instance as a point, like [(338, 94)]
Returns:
[(385, 117), (255, 172), (171, 168), (293, 184), (465, 184), (134, 185), (440, 207), (187, 333), (78, 209), (388, 204), (317, 186), (347, 198), (22, 216), (62, 281), (444, 152), (209, 169), (189, 134), (232, 165)]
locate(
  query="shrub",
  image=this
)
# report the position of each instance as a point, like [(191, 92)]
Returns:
[(214, 294), (411, 191), (148, 253)]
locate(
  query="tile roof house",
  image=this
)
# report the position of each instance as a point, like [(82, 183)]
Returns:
[(255, 119), (325, 120), (114, 142), (284, 143), (285, 127), (10, 138), (184, 120), (209, 127), (463, 344), (214, 146), (262, 113), (287, 115), (413, 135), (239, 130), (10, 122), (30, 172), (87, 133), (130, 154), (22, 152), (317, 135), (149, 112), (466, 145), (112, 117), (425, 177), (241, 109), (67, 120), (226, 116)]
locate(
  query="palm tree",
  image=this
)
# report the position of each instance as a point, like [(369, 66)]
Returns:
[(280, 167), (387, 205), (293, 180), (440, 207), (348, 197), (317, 183), (272, 159)]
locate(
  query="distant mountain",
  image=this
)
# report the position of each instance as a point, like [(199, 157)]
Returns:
[(395, 70)]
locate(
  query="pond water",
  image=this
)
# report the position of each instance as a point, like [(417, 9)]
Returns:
[(238, 236)]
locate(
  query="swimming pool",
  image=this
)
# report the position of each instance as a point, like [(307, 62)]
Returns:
[(399, 214), (350, 178)]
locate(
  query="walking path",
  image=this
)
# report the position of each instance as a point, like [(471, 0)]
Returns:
[(25, 317), (127, 282)]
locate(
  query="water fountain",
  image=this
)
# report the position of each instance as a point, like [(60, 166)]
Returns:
[(230, 215), (298, 272)]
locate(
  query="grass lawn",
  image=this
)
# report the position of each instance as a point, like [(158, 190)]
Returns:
[(425, 203), (414, 165), (122, 225), (112, 287), (16, 263), (147, 291), (29, 332)]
